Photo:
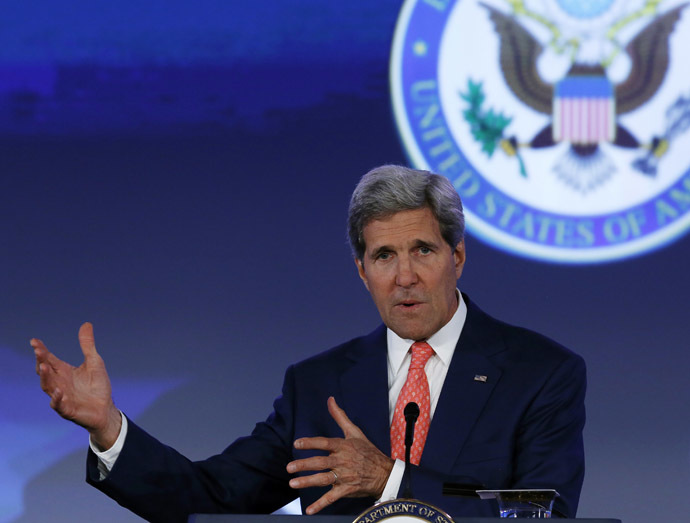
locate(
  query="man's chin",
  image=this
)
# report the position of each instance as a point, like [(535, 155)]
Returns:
[(410, 332)]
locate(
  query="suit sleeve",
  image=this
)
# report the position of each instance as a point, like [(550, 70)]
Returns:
[(549, 450), (161, 485)]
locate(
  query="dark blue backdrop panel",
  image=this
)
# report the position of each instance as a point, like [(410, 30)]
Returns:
[(179, 175)]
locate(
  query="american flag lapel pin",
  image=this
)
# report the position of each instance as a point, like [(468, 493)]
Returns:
[(480, 377)]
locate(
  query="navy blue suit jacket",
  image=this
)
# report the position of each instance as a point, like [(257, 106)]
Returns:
[(520, 428)]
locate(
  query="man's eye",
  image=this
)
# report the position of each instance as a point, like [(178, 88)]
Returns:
[(424, 250), (384, 256)]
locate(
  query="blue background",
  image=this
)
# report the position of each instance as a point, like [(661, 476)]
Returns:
[(178, 174)]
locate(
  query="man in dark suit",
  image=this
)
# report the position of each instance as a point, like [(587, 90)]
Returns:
[(501, 406)]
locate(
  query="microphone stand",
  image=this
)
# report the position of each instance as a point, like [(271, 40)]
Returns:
[(411, 414)]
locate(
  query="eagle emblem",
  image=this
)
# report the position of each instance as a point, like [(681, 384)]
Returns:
[(585, 103), (561, 123)]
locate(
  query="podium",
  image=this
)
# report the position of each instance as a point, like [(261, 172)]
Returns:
[(267, 518)]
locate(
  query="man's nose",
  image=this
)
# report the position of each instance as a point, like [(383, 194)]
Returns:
[(406, 274)]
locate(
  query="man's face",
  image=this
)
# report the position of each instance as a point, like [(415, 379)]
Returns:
[(411, 272)]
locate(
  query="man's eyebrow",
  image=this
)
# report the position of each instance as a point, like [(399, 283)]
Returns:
[(424, 243), (417, 244), (379, 250)]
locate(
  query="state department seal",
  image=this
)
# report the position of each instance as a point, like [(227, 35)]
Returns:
[(562, 124), (403, 510)]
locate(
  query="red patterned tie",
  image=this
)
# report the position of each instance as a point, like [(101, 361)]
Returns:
[(416, 389)]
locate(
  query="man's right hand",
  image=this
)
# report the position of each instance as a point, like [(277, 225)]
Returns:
[(81, 394)]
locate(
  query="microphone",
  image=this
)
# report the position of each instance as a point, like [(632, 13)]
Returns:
[(411, 413)]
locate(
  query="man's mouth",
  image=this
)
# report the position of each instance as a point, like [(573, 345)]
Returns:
[(408, 304)]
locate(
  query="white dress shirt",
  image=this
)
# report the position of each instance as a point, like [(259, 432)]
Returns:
[(399, 357)]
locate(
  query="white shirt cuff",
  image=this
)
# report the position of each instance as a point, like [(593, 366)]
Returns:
[(107, 458), (394, 480)]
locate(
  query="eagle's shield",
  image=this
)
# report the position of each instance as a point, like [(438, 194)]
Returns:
[(584, 110)]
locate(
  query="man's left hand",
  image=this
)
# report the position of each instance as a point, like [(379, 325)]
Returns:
[(354, 466)]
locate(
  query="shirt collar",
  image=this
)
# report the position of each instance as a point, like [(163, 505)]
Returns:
[(443, 341)]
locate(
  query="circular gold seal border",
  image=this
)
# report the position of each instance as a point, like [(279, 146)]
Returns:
[(404, 510)]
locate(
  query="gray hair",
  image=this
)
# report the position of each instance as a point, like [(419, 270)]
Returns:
[(389, 189)]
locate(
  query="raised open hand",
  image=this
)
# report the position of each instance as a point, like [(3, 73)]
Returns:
[(354, 466), (80, 394)]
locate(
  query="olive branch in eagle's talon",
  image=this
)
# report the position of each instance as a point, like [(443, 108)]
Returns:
[(487, 126)]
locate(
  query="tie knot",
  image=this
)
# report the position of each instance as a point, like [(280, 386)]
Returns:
[(421, 352)]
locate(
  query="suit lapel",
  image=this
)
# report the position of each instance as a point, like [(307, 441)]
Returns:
[(463, 397), (364, 389)]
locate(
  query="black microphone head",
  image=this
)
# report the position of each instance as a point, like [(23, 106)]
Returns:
[(411, 412)]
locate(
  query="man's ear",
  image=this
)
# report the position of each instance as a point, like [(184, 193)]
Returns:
[(362, 274), (459, 258)]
